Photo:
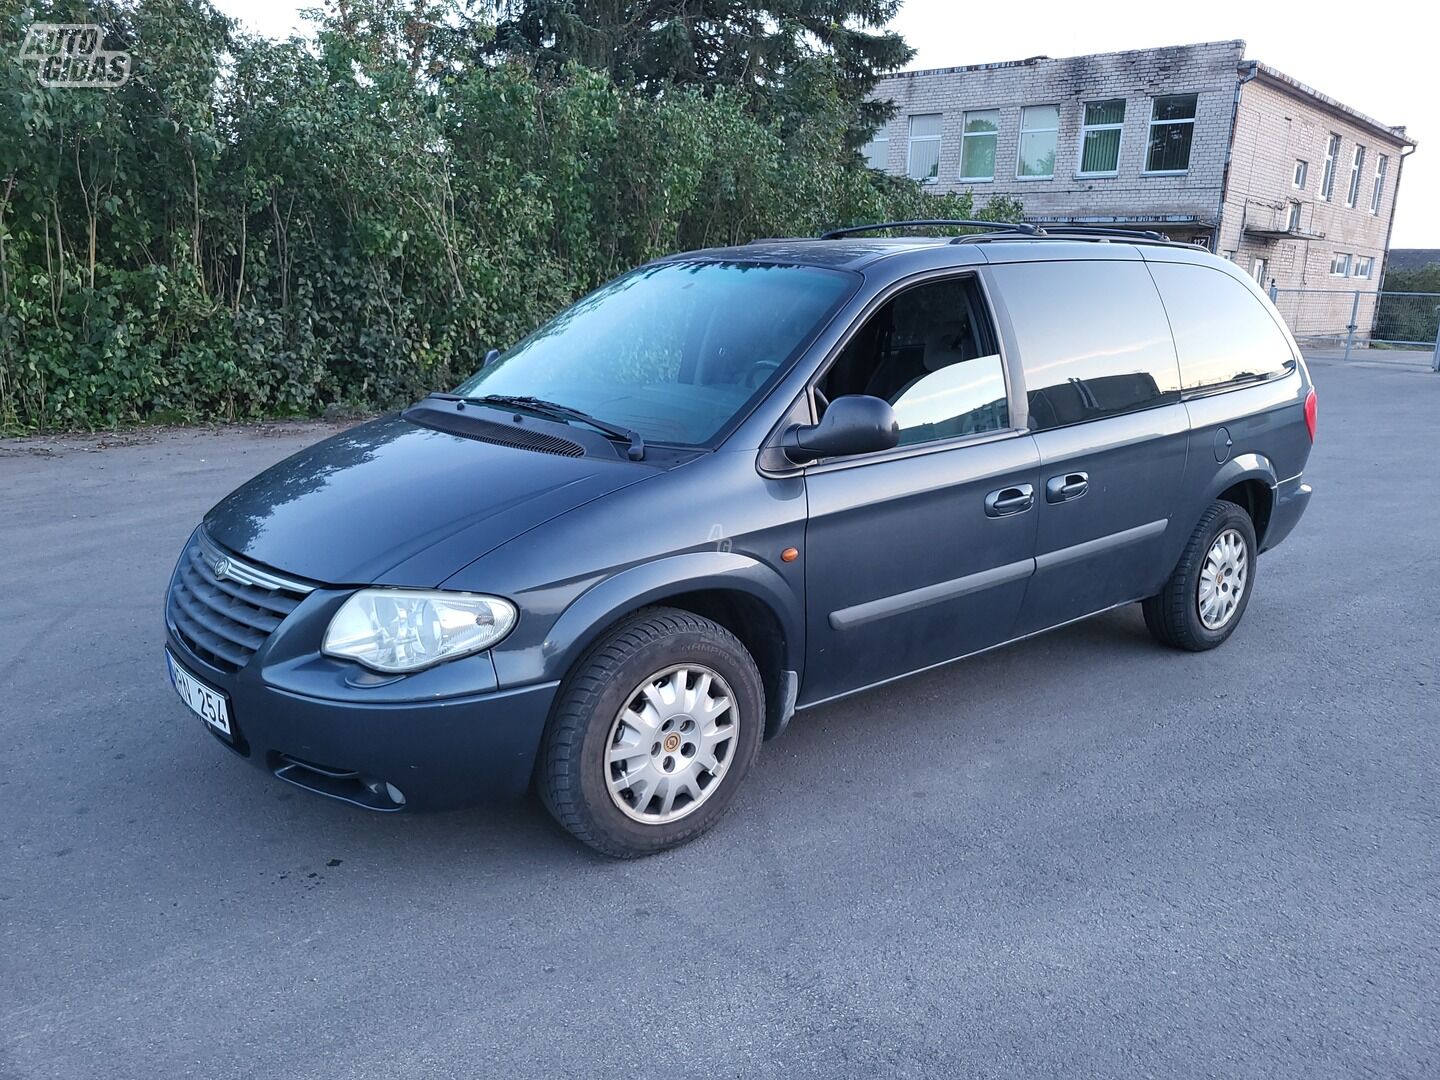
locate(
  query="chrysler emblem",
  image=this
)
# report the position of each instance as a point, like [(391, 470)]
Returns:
[(220, 566)]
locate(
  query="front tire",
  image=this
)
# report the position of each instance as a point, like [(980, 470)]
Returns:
[(652, 733), (1207, 594)]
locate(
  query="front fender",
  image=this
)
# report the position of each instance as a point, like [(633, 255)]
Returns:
[(599, 607)]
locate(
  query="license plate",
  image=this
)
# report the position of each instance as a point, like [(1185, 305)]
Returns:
[(205, 701)]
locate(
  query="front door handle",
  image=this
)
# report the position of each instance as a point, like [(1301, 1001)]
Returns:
[(1010, 500), (1064, 488)]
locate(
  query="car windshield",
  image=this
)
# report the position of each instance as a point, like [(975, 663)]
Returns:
[(675, 351)]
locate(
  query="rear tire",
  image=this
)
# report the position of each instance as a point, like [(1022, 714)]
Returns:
[(1207, 593), (652, 733)]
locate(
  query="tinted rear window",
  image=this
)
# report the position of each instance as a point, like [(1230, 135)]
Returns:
[(1093, 339), (1224, 334)]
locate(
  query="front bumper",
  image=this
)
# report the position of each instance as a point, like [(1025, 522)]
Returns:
[(1291, 498), (383, 744)]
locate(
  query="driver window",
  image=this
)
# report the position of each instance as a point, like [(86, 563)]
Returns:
[(931, 352)]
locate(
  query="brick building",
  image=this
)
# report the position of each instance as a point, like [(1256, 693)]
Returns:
[(1192, 140)]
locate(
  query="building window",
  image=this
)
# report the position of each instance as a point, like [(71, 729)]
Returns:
[(977, 145), (1100, 137), (1172, 126), (1292, 218), (1357, 166), (1381, 164), (1340, 265), (1257, 270), (877, 150), (1327, 178), (924, 164), (1039, 130), (1302, 173), (1364, 265)]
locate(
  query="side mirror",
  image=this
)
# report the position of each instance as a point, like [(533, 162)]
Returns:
[(853, 424), (491, 357)]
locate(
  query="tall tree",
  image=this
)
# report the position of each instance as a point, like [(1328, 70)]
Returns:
[(771, 50)]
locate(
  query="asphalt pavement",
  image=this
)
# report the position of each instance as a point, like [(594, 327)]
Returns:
[(1084, 855)]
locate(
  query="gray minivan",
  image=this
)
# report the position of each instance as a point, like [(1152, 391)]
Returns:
[(736, 484)]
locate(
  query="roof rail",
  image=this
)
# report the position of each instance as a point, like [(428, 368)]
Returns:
[(947, 223), (1097, 234), (1107, 230)]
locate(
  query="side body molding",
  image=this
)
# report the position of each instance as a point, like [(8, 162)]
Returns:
[(899, 604)]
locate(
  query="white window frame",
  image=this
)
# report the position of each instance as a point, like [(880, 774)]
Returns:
[(1369, 263), (1292, 216), (912, 139), (1327, 175), (879, 141), (1087, 128), (1020, 141), (1301, 175), (1357, 168), (1149, 135), (965, 135), (1258, 269), (1335, 260), (1377, 196)]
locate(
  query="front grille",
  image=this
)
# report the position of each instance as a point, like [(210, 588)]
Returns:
[(224, 618)]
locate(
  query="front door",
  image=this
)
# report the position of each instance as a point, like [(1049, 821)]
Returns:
[(920, 554)]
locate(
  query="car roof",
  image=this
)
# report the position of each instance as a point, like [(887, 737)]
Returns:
[(857, 253)]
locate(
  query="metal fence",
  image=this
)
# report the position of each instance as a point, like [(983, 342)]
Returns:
[(1362, 318)]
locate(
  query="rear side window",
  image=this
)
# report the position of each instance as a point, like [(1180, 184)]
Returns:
[(1093, 339), (1223, 333)]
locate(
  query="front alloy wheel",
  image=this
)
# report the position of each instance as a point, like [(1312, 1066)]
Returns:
[(652, 732), (671, 744)]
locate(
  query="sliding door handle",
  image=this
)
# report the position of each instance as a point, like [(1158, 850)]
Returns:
[(1064, 488), (1010, 500)]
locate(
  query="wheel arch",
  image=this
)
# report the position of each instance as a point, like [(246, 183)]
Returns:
[(746, 597), (1249, 481)]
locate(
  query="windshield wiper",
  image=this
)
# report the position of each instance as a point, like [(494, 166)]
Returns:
[(555, 410)]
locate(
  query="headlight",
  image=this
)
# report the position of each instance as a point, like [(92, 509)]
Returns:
[(394, 630)]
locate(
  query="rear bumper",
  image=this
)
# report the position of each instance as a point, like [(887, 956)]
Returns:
[(1291, 498), (382, 755)]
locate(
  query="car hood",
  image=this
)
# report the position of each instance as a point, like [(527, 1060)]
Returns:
[(394, 503)]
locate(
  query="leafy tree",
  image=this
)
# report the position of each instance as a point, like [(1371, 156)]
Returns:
[(769, 50), (255, 228)]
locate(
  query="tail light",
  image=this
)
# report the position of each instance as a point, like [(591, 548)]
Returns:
[(1310, 402)]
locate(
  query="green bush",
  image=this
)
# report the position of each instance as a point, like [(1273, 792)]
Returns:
[(252, 228)]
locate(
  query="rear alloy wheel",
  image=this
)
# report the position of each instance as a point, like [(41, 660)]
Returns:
[(652, 733), (1207, 593), (1222, 580)]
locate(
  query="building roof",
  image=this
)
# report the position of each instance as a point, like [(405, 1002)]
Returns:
[(1294, 86), (1032, 61), (1254, 68)]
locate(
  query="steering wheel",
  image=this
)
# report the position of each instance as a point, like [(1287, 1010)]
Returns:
[(762, 368)]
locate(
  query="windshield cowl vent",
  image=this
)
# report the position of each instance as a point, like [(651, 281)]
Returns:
[(488, 431)]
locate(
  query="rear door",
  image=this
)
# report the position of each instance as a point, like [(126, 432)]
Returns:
[(1103, 396), (919, 554)]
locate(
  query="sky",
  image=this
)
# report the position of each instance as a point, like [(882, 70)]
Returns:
[(1377, 57)]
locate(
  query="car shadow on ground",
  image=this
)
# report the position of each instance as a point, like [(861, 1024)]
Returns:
[(956, 708)]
